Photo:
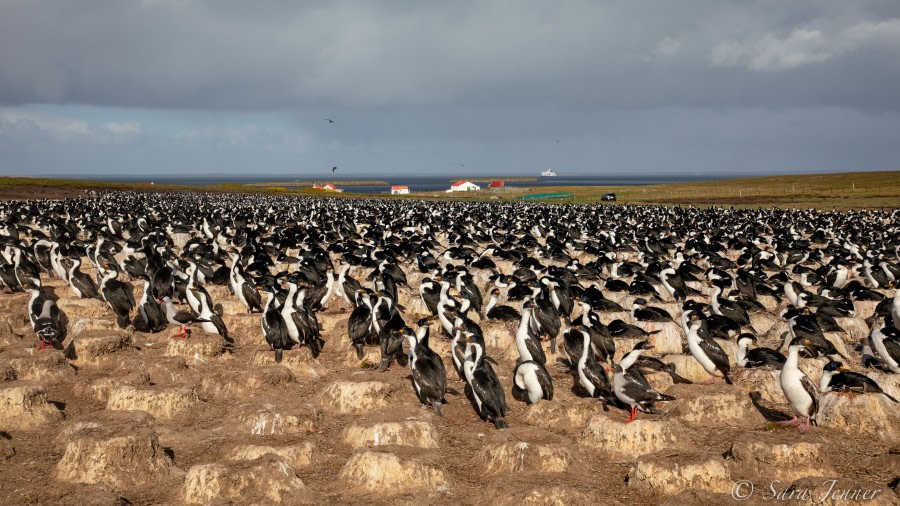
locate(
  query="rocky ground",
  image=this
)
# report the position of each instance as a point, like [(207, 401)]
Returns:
[(131, 417)]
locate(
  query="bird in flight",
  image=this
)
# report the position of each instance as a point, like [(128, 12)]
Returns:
[(329, 120), (333, 169)]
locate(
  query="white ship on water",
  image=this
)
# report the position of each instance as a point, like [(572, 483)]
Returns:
[(548, 173)]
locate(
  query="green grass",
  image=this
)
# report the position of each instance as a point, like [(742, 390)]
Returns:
[(850, 190)]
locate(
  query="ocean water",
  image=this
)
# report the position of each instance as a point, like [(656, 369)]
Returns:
[(415, 183)]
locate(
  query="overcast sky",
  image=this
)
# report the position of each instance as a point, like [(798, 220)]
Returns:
[(425, 87)]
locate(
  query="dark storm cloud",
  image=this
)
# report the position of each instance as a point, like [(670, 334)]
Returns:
[(269, 55), (708, 86)]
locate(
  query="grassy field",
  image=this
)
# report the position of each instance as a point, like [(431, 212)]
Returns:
[(852, 190)]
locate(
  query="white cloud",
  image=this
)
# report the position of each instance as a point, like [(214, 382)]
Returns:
[(887, 32), (803, 46), (667, 47), (123, 127), (243, 136), (32, 126)]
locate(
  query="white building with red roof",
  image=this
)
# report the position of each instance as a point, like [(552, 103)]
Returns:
[(399, 190), (463, 186)]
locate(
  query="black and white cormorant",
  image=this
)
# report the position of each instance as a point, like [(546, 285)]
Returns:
[(591, 374), (707, 352), (494, 311), (641, 312), (429, 376), (800, 392), (44, 315), (180, 318), (150, 310), (886, 342), (485, 387), (757, 357), (836, 378), (635, 394), (117, 294), (80, 283)]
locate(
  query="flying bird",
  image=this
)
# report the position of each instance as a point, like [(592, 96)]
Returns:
[(330, 120), (333, 169)]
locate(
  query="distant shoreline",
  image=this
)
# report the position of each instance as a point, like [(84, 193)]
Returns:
[(518, 179), (338, 182)]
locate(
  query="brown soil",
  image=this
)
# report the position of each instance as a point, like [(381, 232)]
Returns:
[(561, 459)]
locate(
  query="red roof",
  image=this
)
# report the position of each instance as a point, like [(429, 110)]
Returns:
[(399, 187), (458, 183), (495, 184)]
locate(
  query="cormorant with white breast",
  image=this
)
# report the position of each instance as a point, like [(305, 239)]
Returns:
[(44, 314), (798, 389), (117, 294), (484, 385), (707, 352), (429, 377), (886, 342)]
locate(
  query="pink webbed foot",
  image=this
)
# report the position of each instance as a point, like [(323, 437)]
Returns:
[(788, 423)]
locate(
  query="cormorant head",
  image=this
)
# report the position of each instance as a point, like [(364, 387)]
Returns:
[(833, 366), (746, 336), (640, 301), (644, 345)]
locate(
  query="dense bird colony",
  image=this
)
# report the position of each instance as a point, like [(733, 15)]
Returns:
[(194, 348)]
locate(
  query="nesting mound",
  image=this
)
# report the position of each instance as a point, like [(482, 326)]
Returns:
[(92, 347), (161, 402), (100, 388), (715, 405), (269, 479), (299, 362), (47, 367), (350, 397), (627, 440), (226, 384), (786, 461), (265, 419), (664, 475), (557, 416), (298, 456), (869, 414), (386, 473), (199, 345), (532, 489), (406, 433), (508, 452), (120, 450), (24, 406)]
